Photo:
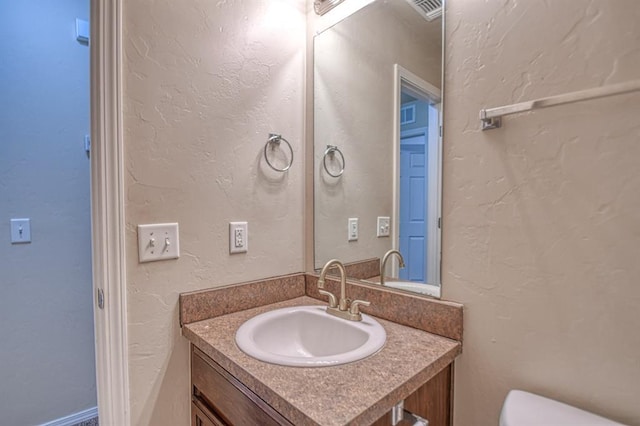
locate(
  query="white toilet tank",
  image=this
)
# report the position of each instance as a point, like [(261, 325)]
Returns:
[(526, 409)]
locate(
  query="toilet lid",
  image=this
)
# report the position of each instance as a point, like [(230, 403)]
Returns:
[(526, 409)]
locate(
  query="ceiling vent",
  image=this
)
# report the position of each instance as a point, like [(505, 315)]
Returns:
[(323, 6), (429, 9)]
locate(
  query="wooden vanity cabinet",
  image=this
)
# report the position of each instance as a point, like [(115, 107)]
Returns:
[(219, 399)]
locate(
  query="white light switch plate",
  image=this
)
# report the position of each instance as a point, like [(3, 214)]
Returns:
[(20, 231), (238, 237), (384, 223), (352, 229), (158, 241)]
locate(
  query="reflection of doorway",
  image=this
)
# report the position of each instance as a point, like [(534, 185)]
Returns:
[(416, 231)]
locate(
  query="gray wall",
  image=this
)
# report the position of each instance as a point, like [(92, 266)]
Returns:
[(47, 366)]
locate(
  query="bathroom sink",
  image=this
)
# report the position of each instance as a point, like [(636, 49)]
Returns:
[(306, 336)]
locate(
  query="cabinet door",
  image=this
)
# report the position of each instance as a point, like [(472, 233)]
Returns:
[(431, 401)]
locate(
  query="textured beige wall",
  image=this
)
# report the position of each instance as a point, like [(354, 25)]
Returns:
[(541, 218), (205, 82), (353, 95)]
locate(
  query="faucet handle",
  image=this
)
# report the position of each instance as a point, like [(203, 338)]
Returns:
[(354, 309), (332, 298)]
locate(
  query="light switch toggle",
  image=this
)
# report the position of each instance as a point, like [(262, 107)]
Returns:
[(150, 239)]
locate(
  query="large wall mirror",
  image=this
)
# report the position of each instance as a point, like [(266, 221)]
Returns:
[(378, 145)]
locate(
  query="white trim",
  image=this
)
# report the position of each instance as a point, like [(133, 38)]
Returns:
[(395, 217), (418, 88), (73, 419), (434, 170), (420, 85), (107, 210), (418, 131)]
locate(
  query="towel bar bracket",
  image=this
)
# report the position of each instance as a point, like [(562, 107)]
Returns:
[(491, 123)]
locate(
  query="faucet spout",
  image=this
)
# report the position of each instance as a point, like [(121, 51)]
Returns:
[(343, 282), (383, 264), (341, 307)]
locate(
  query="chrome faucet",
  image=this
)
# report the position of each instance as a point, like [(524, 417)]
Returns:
[(343, 308), (383, 264)]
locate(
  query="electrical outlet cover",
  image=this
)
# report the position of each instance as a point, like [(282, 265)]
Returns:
[(238, 237)]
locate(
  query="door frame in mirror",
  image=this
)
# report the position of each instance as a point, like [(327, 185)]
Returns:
[(405, 78)]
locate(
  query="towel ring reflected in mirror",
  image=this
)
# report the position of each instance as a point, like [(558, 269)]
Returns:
[(274, 141), (330, 152)]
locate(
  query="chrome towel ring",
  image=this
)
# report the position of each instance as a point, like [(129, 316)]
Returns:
[(330, 151), (273, 141)]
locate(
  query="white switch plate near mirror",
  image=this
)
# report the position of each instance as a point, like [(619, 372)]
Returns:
[(384, 225), (158, 241), (352, 229)]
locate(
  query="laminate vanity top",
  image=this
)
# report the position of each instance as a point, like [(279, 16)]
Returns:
[(355, 393)]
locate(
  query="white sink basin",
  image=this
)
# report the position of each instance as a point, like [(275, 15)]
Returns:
[(307, 336)]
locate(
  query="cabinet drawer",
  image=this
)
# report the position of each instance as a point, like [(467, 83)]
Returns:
[(202, 417), (226, 397)]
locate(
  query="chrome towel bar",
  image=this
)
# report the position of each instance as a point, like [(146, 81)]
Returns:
[(491, 118)]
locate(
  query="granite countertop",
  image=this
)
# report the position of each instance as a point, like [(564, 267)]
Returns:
[(355, 393)]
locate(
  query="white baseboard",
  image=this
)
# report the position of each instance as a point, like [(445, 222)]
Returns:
[(75, 418)]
